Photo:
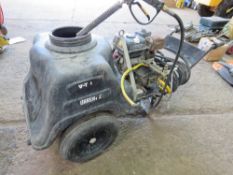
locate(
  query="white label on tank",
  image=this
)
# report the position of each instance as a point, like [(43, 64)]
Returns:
[(94, 98), (88, 100)]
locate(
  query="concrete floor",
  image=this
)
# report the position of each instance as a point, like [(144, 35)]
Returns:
[(190, 134)]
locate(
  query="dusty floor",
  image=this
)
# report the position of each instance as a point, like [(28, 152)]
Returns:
[(190, 134)]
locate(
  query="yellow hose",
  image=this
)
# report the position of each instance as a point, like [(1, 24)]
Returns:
[(126, 73), (162, 83), (3, 41)]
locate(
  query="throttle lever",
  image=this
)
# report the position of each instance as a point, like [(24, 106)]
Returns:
[(156, 4), (143, 10)]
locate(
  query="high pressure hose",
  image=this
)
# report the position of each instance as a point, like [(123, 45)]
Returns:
[(180, 22)]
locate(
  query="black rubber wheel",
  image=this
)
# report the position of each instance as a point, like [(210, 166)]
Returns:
[(184, 72), (223, 8), (3, 30), (204, 10), (84, 141)]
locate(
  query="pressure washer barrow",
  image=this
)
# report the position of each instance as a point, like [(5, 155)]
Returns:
[(79, 85)]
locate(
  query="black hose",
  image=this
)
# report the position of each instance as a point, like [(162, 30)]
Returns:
[(101, 18), (180, 22)]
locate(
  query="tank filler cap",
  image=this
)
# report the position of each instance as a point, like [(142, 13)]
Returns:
[(65, 40)]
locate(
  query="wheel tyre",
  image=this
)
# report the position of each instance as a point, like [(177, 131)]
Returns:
[(175, 84), (204, 10), (184, 73), (84, 141), (3, 30)]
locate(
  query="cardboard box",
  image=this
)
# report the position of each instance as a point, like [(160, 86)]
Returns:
[(170, 3), (216, 54)]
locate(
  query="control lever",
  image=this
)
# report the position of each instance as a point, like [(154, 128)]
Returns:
[(156, 4), (142, 9)]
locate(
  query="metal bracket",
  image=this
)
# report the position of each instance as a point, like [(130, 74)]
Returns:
[(129, 65)]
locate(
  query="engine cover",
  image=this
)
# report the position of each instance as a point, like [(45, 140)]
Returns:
[(136, 43)]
